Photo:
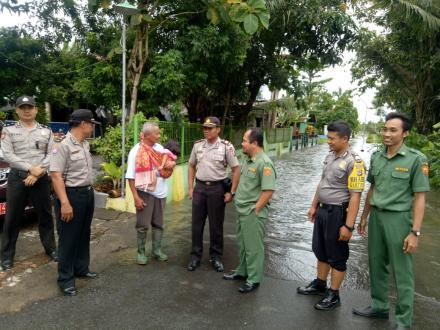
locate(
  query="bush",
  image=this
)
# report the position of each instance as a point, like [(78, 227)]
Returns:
[(110, 144), (430, 146)]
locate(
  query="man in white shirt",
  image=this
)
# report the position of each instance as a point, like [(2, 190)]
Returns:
[(149, 201)]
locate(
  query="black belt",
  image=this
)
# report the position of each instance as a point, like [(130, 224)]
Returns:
[(79, 188), (20, 173), (329, 206), (209, 183)]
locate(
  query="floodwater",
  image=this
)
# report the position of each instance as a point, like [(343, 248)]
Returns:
[(289, 234)]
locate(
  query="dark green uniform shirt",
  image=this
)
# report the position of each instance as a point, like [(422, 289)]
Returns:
[(257, 174), (396, 179)]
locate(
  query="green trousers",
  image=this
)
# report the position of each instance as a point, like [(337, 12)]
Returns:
[(386, 233), (250, 237)]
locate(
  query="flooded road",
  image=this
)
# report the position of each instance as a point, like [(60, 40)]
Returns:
[(289, 234)]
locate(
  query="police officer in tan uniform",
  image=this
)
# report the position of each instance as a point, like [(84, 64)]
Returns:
[(71, 171), (207, 165), (25, 146), (333, 212)]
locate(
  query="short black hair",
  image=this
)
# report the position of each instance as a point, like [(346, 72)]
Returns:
[(406, 121), (173, 146), (256, 134), (341, 128)]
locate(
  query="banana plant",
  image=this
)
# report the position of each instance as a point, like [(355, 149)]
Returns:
[(113, 172)]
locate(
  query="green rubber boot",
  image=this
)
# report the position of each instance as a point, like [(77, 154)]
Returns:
[(141, 240), (157, 241)]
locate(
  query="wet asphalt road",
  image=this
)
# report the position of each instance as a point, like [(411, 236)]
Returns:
[(167, 296)]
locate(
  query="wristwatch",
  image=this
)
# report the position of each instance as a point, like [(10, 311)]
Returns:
[(415, 232), (349, 228), (233, 193)]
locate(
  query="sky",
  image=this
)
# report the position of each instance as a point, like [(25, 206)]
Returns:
[(340, 74)]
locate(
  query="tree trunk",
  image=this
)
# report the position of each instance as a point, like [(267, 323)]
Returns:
[(138, 58), (254, 89), (227, 102)]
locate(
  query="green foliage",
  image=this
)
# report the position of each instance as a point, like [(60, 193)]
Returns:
[(402, 61), (430, 146), (113, 172), (109, 146)]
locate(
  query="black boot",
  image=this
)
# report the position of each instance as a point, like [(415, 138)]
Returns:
[(330, 301), (316, 287)]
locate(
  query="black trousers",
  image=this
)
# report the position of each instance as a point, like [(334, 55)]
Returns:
[(208, 200), (17, 195), (74, 236), (325, 244)]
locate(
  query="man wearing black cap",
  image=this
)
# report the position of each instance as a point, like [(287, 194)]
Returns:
[(71, 172), (25, 147), (207, 165)]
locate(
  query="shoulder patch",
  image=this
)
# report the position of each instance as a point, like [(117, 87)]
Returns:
[(425, 169), (198, 141), (225, 142), (10, 124), (267, 170)]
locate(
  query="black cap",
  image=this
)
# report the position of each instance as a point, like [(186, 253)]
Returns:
[(211, 122), (25, 100), (82, 115)]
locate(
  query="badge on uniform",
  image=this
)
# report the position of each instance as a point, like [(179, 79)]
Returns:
[(425, 169), (267, 171), (54, 151), (342, 164), (356, 179)]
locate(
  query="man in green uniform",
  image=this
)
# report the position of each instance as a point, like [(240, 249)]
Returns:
[(255, 189), (396, 205)]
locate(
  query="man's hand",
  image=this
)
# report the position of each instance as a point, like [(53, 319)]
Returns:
[(344, 234), (138, 203), (66, 212), (311, 214), (362, 227), (410, 243), (228, 197), (37, 171), (190, 193), (30, 180)]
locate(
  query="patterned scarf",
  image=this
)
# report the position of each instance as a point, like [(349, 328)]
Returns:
[(147, 158)]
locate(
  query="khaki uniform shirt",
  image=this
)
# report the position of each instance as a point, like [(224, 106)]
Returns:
[(341, 175), (73, 159), (257, 174), (211, 160), (396, 179), (23, 148)]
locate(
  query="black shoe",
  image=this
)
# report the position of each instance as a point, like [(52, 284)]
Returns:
[(234, 277), (53, 255), (6, 265), (217, 265), (89, 275), (329, 302), (370, 312), (193, 265), (314, 288), (248, 287), (70, 291)]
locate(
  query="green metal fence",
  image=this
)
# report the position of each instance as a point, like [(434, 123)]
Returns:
[(188, 133), (277, 135)]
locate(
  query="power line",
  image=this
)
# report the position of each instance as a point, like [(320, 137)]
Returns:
[(45, 72)]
